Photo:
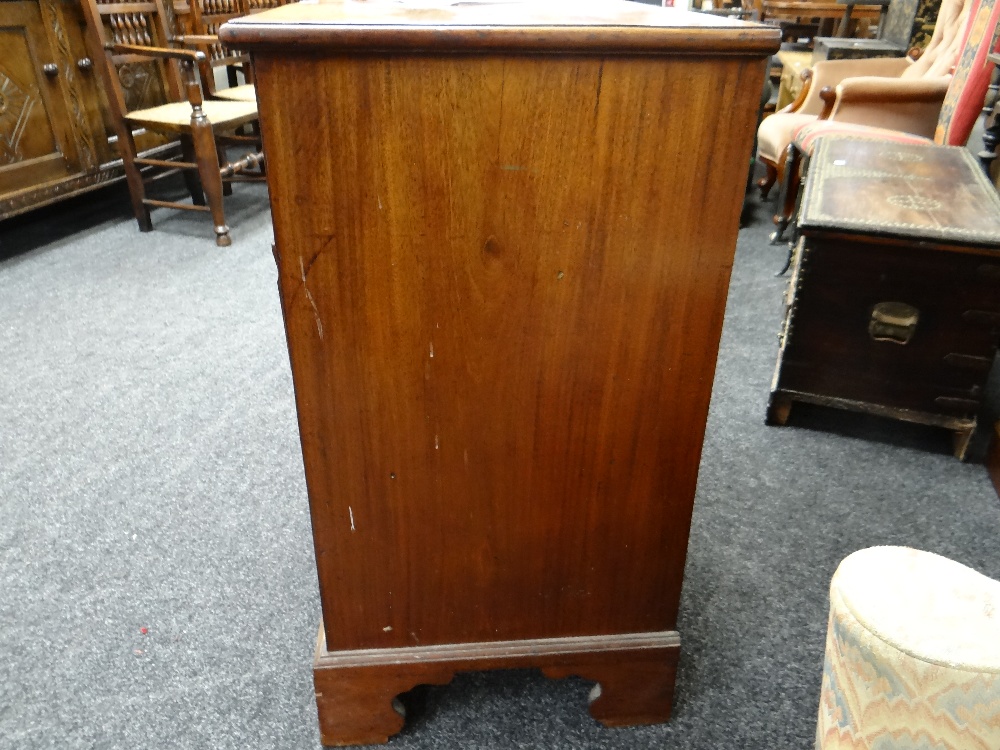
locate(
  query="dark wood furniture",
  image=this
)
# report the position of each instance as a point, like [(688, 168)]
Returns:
[(893, 307), (991, 126), (201, 33), (503, 305), (895, 32), (844, 27), (57, 138), (993, 458), (821, 15), (125, 33)]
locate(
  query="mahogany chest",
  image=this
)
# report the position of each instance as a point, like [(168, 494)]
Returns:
[(504, 233), (894, 302)]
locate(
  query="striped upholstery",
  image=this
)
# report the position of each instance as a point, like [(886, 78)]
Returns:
[(964, 100), (912, 655), (806, 136)]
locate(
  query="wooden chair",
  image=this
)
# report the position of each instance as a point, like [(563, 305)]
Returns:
[(256, 6), (123, 33), (203, 22)]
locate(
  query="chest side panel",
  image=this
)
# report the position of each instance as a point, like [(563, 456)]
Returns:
[(503, 280)]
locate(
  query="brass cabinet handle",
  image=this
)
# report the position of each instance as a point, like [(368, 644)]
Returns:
[(50, 69), (895, 322), (85, 63)]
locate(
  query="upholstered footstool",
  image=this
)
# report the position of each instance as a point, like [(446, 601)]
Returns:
[(912, 655)]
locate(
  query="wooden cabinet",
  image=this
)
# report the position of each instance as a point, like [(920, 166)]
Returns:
[(55, 136), (894, 303), (504, 233), (36, 143)]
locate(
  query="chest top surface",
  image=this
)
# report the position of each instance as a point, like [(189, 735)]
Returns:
[(932, 193), (605, 26)]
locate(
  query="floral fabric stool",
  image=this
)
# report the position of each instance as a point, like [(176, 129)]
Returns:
[(912, 655)]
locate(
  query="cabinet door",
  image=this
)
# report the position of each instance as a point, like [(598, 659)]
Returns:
[(36, 145)]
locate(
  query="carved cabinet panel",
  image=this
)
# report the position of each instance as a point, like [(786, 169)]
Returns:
[(56, 136), (35, 142)]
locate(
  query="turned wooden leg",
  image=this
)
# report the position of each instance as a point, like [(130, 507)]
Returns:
[(227, 187), (788, 198), (766, 182), (133, 177), (630, 691), (190, 175), (211, 178)]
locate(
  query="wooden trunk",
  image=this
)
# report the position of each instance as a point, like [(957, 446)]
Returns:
[(504, 235), (894, 303)]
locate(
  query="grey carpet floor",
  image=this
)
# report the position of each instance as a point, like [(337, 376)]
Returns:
[(150, 478)]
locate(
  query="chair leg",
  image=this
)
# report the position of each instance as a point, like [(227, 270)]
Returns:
[(191, 176), (255, 132), (227, 187), (133, 178), (766, 182), (789, 194), (207, 158)]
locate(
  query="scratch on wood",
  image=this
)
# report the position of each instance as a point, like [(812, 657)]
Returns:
[(512, 168), (503, 82), (600, 81), (379, 202), (437, 443), (305, 290), (350, 512), (432, 350), (387, 629)]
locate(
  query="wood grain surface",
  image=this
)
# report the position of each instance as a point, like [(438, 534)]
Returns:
[(503, 283)]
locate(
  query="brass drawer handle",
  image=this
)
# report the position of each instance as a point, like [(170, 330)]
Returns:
[(895, 322)]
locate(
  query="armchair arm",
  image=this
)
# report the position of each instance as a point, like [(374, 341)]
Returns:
[(829, 73), (868, 89), (162, 53), (796, 106), (197, 40), (190, 62), (910, 105)]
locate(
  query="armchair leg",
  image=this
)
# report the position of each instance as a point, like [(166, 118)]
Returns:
[(255, 132), (788, 197), (227, 187), (211, 179), (133, 178), (766, 182), (190, 176)]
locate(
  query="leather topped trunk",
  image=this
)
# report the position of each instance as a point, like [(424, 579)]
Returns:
[(894, 303)]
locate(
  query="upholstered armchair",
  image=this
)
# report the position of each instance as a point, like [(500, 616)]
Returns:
[(958, 112), (895, 93)]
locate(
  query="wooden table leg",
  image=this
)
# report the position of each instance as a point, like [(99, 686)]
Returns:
[(845, 22)]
